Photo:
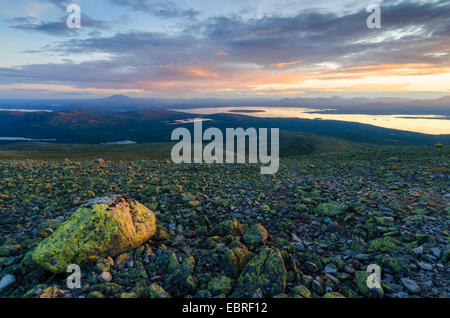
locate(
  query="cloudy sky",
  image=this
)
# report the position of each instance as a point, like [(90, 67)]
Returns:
[(224, 49)]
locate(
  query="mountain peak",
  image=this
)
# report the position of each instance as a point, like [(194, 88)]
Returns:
[(118, 97)]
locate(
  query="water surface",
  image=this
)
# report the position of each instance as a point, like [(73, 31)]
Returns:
[(426, 124)]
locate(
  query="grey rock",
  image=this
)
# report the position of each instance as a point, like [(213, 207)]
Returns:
[(299, 246), (425, 266), (436, 251), (6, 281), (330, 269), (427, 284), (363, 256), (418, 250), (400, 295), (410, 285)]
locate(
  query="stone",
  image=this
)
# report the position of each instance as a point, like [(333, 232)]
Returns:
[(425, 266), (265, 272), (418, 250), (156, 291), (333, 295), (255, 236), (330, 269), (229, 227), (95, 294), (106, 226), (302, 291), (10, 250), (330, 209), (410, 285), (122, 259), (6, 281), (317, 287), (105, 277), (299, 246), (311, 267), (53, 292), (436, 251), (220, 285), (361, 282)]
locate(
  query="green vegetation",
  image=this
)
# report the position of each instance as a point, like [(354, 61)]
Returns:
[(311, 230)]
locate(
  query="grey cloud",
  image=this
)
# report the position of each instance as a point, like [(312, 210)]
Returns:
[(57, 28), (164, 9)]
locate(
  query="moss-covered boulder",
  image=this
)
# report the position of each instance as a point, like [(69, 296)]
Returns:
[(256, 235), (106, 226), (266, 272)]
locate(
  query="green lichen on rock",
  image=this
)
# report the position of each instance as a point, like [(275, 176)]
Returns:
[(167, 262), (302, 291), (229, 261), (265, 271), (103, 227), (7, 250), (156, 291), (229, 227), (385, 244), (361, 282), (256, 235), (330, 208), (222, 285), (333, 295), (396, 265)]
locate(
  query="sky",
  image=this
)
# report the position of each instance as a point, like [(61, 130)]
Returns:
[(224, 49)]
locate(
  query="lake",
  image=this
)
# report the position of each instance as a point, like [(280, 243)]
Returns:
[(25, 110), (426, 124), (23, 139)]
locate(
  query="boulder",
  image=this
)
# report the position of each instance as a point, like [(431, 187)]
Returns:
[(106, 226), (256, 235), (265, 272)]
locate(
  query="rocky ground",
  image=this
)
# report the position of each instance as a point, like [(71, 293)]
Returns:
[(228, 231)]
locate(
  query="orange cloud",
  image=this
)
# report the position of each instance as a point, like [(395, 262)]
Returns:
[(221, 53), (410, 69), (284, 64), (200, 74)]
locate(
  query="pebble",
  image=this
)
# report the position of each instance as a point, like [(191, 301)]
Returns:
[(418, 250), (400, 295), (105, 277), (330, 269), (410, 285), (299, 246), (425, 266), (310, 266), (427, 284)]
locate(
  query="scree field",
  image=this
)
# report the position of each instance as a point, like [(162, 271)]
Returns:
[(311, 230)]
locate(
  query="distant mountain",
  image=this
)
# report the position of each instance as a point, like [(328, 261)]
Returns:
[(438, 106)]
